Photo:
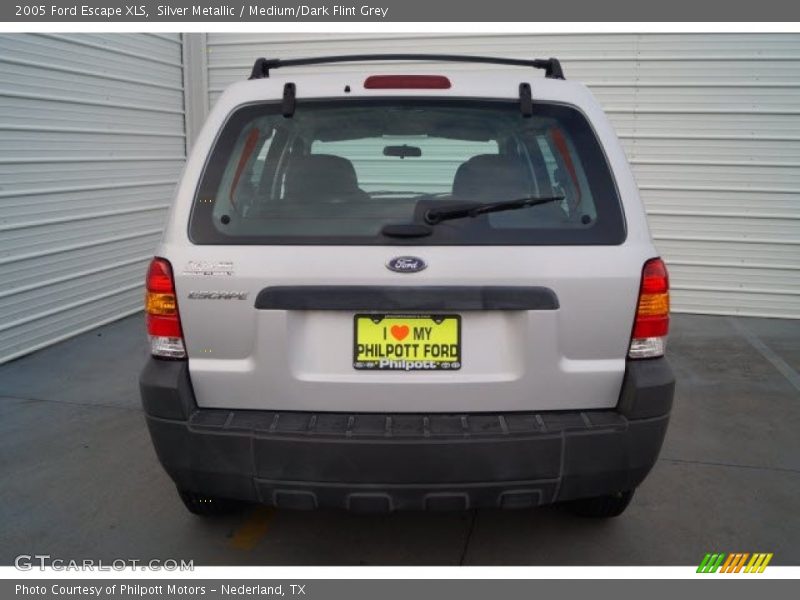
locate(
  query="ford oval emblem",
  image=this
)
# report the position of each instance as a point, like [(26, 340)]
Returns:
[(406, 264)]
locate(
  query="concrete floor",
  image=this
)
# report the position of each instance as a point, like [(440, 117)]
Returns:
[(79, 478)]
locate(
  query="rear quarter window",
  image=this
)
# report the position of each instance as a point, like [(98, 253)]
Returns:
[(340, 171)]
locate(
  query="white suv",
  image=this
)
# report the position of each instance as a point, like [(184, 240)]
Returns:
[(383, 292)]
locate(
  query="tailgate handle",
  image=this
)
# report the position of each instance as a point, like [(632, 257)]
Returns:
[(406, 298)]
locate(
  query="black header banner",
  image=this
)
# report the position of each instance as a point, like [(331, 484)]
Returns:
[(188, 11)]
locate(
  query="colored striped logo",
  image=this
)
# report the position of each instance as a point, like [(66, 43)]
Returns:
[(734, 563)]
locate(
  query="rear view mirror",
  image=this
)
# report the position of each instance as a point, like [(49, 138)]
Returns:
[(403, 151)]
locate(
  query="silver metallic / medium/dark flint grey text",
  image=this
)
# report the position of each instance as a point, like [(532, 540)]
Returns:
[(222, 10), (306, 10)]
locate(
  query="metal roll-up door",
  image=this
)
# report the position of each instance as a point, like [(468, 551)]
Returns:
[(91, 145)]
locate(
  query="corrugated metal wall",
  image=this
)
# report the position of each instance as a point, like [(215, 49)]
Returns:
[(711, 123), (91, 144)]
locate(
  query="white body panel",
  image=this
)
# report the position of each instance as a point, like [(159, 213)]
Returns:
[(569, 358)]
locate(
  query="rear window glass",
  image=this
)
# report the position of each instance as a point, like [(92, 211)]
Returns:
[(350, 172)]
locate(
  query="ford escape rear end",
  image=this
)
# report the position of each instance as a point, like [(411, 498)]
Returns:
[(384, 292)]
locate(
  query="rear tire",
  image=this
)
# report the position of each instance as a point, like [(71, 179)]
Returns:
[(602, 507), (208, 506)]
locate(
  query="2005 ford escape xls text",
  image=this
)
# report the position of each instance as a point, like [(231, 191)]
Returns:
[(383, 292)]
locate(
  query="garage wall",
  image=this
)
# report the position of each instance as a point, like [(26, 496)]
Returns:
[(710, 122), (91, 145)]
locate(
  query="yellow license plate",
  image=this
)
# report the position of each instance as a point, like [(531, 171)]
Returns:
[(407, 342)]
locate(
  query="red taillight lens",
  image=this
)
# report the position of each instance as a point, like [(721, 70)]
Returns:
[(161, 310), (407, 82), (159, 276), (163, 326), (652, 312), (655, 279)]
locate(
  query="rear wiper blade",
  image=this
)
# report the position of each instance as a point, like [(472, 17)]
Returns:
[(398, 193), (434, 216), (406, 230)]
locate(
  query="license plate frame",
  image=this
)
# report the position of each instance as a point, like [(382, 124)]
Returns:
[(415, 353)]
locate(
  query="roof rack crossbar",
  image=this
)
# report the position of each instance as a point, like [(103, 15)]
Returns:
[(551, 66)]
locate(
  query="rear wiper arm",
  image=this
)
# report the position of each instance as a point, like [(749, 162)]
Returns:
[(434, 216)]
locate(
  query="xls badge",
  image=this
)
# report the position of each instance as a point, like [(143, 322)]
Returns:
[(209, 268)]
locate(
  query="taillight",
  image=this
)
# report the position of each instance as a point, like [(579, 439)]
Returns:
[(161, 310), (651, 326), (407, 82)]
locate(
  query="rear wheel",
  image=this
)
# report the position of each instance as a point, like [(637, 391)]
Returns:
[(206, 506), (602, 507)]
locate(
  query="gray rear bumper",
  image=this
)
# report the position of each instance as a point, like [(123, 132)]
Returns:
[(381, 462)]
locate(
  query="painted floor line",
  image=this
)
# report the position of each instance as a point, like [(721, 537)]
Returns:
[(731, 465), (781, 365), (253, 530)]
